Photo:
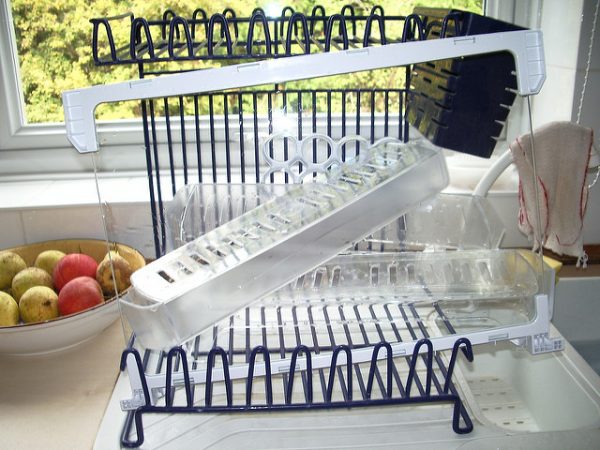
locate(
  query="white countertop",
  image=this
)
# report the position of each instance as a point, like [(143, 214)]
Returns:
[(57, 401)]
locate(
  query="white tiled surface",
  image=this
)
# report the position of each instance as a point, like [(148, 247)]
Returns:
[(16, 194), (128, 223), (12, 231), (79, 191), (38, 210), (61, 223)]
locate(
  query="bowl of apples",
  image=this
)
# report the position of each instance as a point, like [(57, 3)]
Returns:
[(57, 294)]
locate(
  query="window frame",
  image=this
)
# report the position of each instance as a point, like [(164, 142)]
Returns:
[(15, 133), (21, 143)]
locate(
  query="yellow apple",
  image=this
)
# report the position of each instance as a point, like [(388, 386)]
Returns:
[(38, 304), (10, 265), (9, 310)]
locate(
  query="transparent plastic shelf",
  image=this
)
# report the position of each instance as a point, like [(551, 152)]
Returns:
[(311, 316), (465, 275), (185, 291), (444, 222)]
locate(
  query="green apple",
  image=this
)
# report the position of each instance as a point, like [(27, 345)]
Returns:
[(10, 265), (48, 259), (28, 278), (9, 310), (38, 304)]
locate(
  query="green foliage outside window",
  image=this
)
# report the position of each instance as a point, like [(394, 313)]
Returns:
[(54, 45)]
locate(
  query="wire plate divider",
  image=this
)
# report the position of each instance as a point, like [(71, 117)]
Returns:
[(383, 385)]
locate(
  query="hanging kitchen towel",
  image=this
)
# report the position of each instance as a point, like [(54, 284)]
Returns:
[(562, 151)]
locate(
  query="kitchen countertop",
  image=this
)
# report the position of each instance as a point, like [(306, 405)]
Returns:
[(57, 401), (570, 271)]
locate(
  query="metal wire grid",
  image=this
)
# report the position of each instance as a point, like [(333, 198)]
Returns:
[(225, 36), (295, 329), (218, 137)]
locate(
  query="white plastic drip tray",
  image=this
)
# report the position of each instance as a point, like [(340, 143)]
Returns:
[(501, 404)]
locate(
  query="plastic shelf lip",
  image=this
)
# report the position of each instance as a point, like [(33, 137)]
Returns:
[(530, 74), (534, 54)]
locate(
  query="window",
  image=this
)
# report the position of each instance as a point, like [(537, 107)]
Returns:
[(53, 41), (40, 81), (14, 134), (38, 147)]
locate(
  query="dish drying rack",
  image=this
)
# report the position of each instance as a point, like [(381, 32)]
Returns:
[(160, 376), (225, 35)]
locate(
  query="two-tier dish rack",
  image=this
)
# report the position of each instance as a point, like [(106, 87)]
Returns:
[(220, 324)]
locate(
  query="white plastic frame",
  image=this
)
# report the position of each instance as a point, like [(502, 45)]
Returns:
[(526, 46), (298, 148)]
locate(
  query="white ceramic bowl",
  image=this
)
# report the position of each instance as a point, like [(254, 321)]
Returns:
[(58, 334), (67, 331)]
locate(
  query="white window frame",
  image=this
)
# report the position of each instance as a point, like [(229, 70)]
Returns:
[(15, 133), (32, 150)]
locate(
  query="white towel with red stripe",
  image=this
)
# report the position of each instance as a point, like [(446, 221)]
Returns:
[(562, 152)]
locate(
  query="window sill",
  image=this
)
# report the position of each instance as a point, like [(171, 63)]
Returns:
[(62, 190)]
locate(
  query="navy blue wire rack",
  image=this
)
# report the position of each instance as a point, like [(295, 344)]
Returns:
[(380, 389), (226, 36), (317, 329)]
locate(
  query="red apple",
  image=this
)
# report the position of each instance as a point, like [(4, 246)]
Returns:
[(72, 266), (79, 294)]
